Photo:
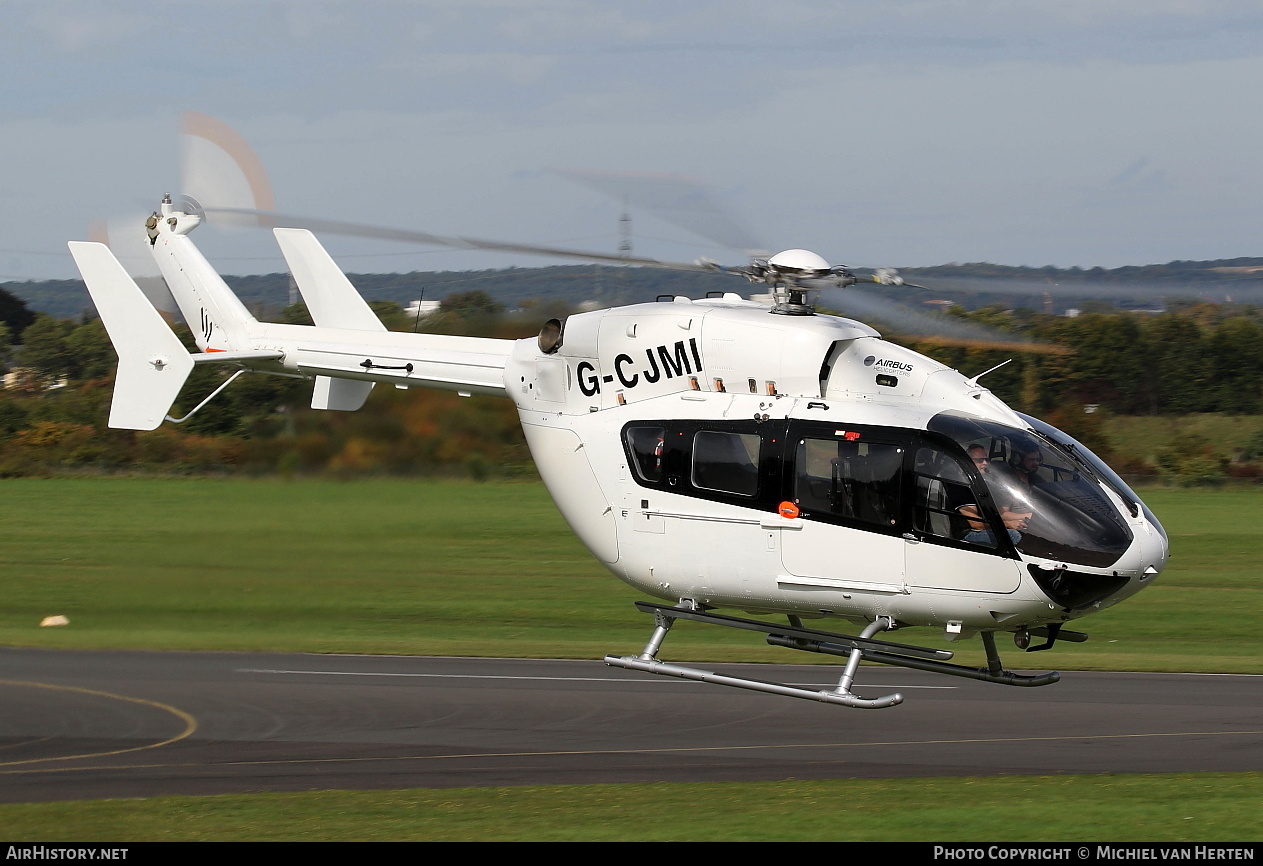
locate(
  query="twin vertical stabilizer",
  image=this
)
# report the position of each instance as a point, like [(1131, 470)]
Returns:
[(346, 352), (152, 362), (333, 303), (331, 299)]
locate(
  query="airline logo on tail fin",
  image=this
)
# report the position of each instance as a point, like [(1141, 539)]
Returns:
[(208, 328)]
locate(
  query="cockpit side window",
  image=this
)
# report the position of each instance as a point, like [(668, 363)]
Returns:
[(944, 504), (1081, 454)]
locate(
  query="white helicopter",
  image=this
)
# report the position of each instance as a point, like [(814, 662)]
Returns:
[(715, 454)]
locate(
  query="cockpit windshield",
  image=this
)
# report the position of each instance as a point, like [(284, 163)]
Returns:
[(1045, 497), (1077, 450)]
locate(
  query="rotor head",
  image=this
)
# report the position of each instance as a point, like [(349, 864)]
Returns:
[(791, 274), (800, 263)]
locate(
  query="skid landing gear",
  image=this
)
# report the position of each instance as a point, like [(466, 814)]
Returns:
[(853, 648), (648, 662)]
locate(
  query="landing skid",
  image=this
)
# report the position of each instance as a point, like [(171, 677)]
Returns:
[(850, 647)]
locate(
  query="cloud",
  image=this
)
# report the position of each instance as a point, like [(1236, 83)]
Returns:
[(902, 132), (425, 69), (85, 27)]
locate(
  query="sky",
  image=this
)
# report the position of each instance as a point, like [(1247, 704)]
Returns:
[(897, 133)]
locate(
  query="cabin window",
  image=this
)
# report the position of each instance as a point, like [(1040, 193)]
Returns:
[(853, 480), (726, 462), (646, 446)]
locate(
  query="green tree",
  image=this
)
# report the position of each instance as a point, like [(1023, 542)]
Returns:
[(1178, 365), (13, 416), (92, 354), (1108, 365), (44, 347), (1193, 459), (1235, 358), (14, 313), (471, 305), (295, 314), (392, 316)]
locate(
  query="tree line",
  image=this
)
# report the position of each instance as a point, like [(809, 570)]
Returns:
[(1194, 358)]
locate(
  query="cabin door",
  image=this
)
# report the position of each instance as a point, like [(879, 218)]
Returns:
[(848, 489)]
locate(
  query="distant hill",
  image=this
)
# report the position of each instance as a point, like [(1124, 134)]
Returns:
[(971, 285), (265, 294), (980, 284), (1216, 270)]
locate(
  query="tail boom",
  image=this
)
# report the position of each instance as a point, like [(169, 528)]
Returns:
[(467, 364), (216, 316), (345, 359)]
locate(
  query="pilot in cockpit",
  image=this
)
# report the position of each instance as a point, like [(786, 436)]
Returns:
[(1026, 470), (1015, 517)]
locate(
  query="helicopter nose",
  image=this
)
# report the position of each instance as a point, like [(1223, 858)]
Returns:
[(1154, 552), (1143, 561)]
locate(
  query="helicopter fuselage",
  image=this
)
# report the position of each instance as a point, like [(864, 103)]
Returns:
[(715, 452)]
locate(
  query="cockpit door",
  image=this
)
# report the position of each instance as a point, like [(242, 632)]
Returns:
[(946, 548)]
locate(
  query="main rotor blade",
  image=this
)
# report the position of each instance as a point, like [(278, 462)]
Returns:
[(684, 202), (269, 219), (904, 320), (1150, 291)]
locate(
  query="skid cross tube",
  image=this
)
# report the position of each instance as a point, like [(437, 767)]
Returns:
[(828, 697), (665, 616), (987, 674), (791, 631), (851, 647)]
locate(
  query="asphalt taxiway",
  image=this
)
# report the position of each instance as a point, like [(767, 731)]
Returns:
[(86, 725)]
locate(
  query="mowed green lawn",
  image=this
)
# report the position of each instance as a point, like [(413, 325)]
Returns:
[(1211, 807), (460, 568), (384, 566), (400, 566), (1205, 610)]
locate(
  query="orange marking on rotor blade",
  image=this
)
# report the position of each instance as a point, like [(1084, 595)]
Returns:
[(230, 141)]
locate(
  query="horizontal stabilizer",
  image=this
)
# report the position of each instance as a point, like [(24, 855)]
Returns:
[(153, 364), (236, 357)]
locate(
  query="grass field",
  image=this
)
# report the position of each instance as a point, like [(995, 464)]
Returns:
[(459, 568), (1210, 807), (490, 569), (1144, 436)]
